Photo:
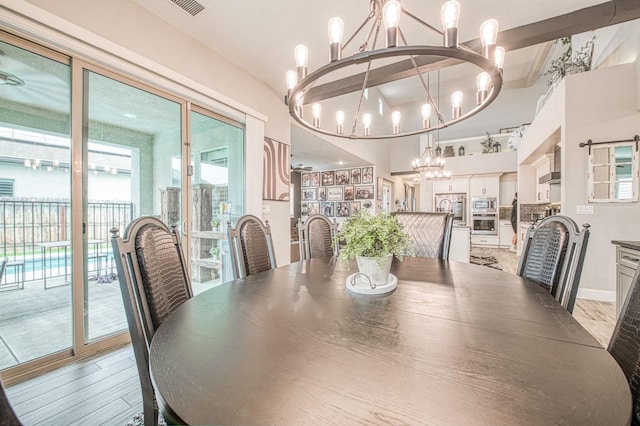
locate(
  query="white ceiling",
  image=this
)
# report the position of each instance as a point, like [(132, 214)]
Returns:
[(260, 37)]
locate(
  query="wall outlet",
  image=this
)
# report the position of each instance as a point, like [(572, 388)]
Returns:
[(582, 209), (266, 209)]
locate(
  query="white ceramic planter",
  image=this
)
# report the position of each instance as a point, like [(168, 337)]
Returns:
[(378, 272)]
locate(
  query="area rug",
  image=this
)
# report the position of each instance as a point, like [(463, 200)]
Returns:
[(138, 420), (489, 261)]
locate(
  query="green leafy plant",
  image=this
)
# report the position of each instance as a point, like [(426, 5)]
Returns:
[(570, 61), (214, 251), (373, 236), (487, 143)]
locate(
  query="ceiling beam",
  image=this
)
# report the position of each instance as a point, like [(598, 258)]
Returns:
[(576, 22)]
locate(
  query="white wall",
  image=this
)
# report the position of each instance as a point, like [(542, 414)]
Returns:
[(601, 106), (131, 39)]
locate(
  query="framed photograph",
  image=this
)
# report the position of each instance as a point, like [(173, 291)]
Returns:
[(313, 208), (509, 129), (306, 180), (315, 179), (364, 192), (334, 193), (326, 209), (322, 194), (348, 193), (308, 195), (355, 176), (379, 190), (327, 178), (355, 207), (342, 177), (367, 175), (342, 209)]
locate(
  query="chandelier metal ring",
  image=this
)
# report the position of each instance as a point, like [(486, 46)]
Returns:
[(471, 57)]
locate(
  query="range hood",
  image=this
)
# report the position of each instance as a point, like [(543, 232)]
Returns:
[(550, 178)]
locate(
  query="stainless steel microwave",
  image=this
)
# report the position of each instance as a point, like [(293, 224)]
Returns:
[(484, 204)]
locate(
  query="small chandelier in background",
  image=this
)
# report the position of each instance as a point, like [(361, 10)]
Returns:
[(414, 60), (430, 166)]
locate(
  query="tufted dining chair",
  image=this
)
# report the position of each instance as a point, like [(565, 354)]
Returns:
[(553, 253), (251, 246), (154, 282), (624, 345), (316, 237), (430, 232)]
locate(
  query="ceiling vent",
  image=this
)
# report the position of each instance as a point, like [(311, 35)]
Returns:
[(192, 7)]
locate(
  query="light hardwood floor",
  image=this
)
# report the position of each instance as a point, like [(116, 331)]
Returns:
[(104, 390)]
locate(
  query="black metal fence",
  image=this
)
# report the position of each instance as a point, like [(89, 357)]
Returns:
[(31, 230)]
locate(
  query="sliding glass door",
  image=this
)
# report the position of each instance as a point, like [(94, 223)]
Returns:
[(35, 160), (132, 139), (217, 147)]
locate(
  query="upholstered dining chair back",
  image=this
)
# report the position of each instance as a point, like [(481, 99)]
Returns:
[(154, 282), (429, 231), (8, 417), (251, 246), (316, 237), (553, 254), (624, 345)]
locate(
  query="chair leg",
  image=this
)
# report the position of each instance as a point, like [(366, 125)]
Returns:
[(150, 409)]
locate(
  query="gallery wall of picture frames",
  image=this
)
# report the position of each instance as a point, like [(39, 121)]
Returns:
[(337, 193)]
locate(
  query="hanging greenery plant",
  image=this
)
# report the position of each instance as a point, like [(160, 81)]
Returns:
[(570, 62)]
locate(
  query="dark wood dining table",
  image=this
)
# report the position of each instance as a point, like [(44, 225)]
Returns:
[(454, 344)]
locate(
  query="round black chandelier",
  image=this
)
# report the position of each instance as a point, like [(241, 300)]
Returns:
[(310, 97)]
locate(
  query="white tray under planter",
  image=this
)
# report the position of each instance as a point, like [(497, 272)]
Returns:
[(359, 283)]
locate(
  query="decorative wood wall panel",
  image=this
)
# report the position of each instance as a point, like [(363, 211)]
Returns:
[(275, 175)]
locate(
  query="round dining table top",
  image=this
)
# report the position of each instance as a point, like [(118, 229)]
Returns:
[(453, 344)]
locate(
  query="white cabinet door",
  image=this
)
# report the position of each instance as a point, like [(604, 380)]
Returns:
[(460, 248), (450, 186), (505, 233), (484, 185), (543, 167)]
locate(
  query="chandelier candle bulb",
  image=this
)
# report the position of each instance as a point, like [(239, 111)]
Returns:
[(391, 15), (316, 109), (499, 56), (456, 104), (366, 122), (302, 56), (488, 37), (395, 119), (340, 122), (450, 14), (336, 31), (483, 80), (426, 116), (291, 79)]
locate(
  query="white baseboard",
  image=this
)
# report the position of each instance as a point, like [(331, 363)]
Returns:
[(600, 295)]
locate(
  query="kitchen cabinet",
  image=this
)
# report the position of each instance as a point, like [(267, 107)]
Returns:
[(484, 240), (458, 185), (543, 166), (484, 185), (508, 188), (505, 233), (460, 246), (522, 233), (627, 260)]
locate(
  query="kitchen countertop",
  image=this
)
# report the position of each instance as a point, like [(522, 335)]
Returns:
[(633, 245)]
